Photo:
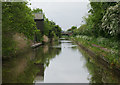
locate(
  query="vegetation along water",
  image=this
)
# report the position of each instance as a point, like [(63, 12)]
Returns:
[(37, 50)]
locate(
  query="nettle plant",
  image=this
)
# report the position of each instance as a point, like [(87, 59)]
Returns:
[(110, 20)]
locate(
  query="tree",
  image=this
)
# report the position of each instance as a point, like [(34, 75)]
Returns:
[(94, 20), (110, 21), (16, 18), (51, 28), (37, 10)]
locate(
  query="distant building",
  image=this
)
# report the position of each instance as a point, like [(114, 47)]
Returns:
[(38, 16), (39, 19)]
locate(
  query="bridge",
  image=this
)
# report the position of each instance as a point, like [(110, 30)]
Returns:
[(67, 33)]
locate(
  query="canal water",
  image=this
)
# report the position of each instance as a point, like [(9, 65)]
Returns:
[(58, 62)]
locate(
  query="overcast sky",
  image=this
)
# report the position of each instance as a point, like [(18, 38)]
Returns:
[(65, 13)]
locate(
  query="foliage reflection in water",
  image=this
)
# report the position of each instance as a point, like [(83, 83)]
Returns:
[(28, 65), (62, 62)]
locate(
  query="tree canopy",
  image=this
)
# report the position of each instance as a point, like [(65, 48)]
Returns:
[(16, 17)]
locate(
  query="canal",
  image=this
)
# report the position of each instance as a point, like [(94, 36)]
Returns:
[(58, 62)]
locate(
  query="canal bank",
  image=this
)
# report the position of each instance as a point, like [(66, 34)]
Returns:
[(97, 55)]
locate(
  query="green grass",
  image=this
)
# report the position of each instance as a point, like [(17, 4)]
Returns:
[(111, 54)]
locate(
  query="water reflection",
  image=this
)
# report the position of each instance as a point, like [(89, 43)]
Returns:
[(43, 56), (67, 67), (30, 65), (99, 71), (61, 62)]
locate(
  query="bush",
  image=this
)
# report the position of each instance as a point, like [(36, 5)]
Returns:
[(110, 20)]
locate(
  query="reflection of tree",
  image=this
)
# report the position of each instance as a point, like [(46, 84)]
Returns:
[(95, 72), (26, 67), (99, 72), (20, 69), (43, 56), (35, 70)]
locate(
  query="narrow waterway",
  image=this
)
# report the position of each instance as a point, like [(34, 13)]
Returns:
[(58, 62), (67, 67)]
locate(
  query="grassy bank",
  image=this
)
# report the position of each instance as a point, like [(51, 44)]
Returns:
[(107, 48)]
